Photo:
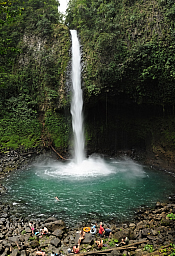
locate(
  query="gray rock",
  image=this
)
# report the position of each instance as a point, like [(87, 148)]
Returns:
[(56, 242), (14, 252), (52, 226), (2, 236), (132, 225), (114, 253), (28, 230), (50, 219), (138, 252), (58, 233), (23, 253), (6, 252), (87, 240)]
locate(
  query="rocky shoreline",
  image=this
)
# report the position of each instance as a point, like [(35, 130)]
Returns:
[(13, 160), (152, 231)]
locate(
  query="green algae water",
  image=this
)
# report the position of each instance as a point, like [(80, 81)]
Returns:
[(94, 190)]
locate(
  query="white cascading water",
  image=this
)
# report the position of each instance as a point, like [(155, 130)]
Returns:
[(77, 100), (80, 166)]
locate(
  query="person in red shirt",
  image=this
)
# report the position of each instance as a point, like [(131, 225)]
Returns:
[(101, 230)]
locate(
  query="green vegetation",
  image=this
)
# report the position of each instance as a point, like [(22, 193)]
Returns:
[(58, 127), (171, 216), (23, 232), (34, 50), (128, 46), (148, 248), (128, 74), (128, 49)]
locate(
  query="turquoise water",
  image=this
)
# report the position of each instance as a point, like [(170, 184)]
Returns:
[(97, 189)]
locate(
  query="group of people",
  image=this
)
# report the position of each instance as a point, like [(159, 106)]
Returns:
[(102, 232), (76, 248), (43, 231), (107, 232)]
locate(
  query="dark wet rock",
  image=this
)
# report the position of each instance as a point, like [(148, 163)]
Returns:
[(34, 244)]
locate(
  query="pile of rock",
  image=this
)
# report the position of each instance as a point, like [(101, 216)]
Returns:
[(12, 160), (151, 227)]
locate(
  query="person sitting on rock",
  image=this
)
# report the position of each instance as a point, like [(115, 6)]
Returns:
[(99, 244), (31, 227), (124, 241), (40, 252), (44, 231), (76, 248), (82, 236)]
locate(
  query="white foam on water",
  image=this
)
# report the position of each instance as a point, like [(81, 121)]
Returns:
[(94, 166), (90, 167)]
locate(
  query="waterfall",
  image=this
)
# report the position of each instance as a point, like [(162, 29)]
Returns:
[(77, 100)]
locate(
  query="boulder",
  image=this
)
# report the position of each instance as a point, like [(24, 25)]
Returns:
[(34, 244), (28, 230), (124, 232), (138, 252), (52, 226), (50, 219), (23, 253), (14, 252), (58, 233), (132, 226), (87, 240), (56, 242)]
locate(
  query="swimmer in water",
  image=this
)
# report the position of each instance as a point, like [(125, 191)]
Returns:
[(57, 198)]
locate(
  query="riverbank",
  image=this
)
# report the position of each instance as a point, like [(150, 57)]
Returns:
[(151, 231)]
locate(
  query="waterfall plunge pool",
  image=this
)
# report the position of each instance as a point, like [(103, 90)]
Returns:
[(96, 189)]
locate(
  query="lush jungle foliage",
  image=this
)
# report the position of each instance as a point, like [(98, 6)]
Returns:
[(129, 47), (34, 55), (128, 73)]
